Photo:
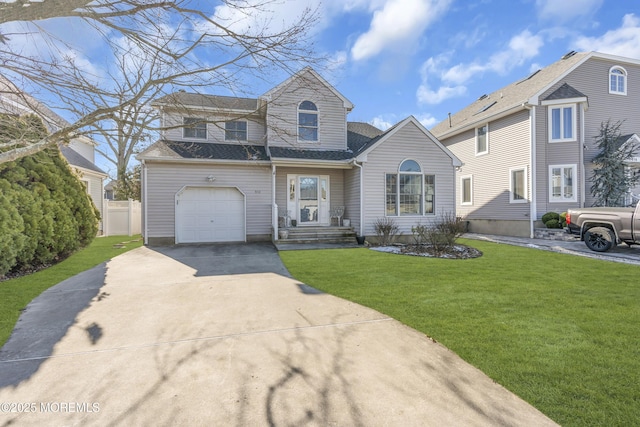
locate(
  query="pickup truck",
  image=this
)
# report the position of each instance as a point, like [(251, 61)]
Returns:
[(603, 228)]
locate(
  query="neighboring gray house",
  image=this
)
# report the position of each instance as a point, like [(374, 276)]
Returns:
[(238, 169), (527, 148), (79, 153)]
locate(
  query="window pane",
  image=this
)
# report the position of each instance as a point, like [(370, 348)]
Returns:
[(466, 190), (556, 190), (568, 183), (567, 122), (410, 166), (613, 86), (308, 105), (410, 194), (429, 194), (555, 123), (235, 130), (308, 188), (518, 179), (308, 134), (482, 140), (308, 119), (391, 195), (620, 83)]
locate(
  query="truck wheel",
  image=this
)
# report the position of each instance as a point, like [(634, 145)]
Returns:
[(599, 239)]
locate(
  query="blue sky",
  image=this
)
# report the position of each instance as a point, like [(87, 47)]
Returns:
[(395, 58)]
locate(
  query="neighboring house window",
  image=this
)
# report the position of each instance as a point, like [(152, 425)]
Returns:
[(235, 130), (562, 183), (466, 193), (194, 128), (518, 193), (410, 192), (618, 81), (482, 140), (307, 121), (562, 123), (86, 185)]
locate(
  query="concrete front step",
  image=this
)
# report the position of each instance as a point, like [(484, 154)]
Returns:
[(318, 236)]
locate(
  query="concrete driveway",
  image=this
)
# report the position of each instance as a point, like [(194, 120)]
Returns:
[(221, 335)]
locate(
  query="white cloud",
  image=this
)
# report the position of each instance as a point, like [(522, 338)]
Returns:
[(381, 123), (563, 10), (427, 120), (428, 96), (623, 41), (397, 24)]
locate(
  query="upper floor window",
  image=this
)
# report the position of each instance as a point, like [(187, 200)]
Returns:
[(307, 121), (194, 128), (410, 192), (618, 81), (482, 140), (235, 130), (562, 123)]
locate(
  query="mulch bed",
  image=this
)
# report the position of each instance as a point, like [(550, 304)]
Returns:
[(457, 251)]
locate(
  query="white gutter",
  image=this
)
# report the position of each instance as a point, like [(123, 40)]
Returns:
[(274, 207), (361, 232), (144, 205)]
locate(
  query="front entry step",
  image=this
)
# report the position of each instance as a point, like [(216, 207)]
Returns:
[(320, 237)]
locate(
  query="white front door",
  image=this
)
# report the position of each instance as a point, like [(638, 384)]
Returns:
[(308, 200)]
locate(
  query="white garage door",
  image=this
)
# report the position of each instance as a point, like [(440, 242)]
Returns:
[(205, 215)]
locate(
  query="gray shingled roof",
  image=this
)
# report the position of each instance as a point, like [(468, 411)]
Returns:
[(507, 97), (293, 153), (76, 159), (565, 92), (360, 134), (185, 99), (207, 150)]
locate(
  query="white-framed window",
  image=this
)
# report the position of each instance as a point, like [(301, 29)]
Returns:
[(563, 183), (235, 130), (410, 191), (307, 121), (482, 140), (466, 190), (194, 128), (618, 80), (562, 123), (518, 185), (86, 185)]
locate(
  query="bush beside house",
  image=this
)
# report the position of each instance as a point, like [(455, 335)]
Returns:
[(45, 212)]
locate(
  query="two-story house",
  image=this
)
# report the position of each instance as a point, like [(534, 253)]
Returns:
[(528, 148), (239, 169), (79, 152)]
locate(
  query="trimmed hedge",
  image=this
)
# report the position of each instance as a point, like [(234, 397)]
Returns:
[(45, 212)]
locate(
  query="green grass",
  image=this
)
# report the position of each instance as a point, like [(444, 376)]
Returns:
[(16, 293), (560, 331)]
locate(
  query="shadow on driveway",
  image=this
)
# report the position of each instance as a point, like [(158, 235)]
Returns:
[(45, 321)]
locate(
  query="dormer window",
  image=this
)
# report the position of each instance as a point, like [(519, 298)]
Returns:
[(235, 130), (618, 81), (194, 128), (307, 121)]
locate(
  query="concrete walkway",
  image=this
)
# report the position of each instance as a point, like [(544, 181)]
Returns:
[(221, 335)]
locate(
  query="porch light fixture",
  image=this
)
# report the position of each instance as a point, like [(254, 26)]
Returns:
[(211, 178)]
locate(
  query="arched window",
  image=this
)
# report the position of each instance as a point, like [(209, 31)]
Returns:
[(409, 191), (307, 121), (618, 80)]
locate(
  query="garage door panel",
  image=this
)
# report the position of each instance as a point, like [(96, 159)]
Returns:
[(206, 215)]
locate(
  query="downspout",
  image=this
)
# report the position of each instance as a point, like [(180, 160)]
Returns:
[(583, 177), (532, 167), (144, 205), (361, 232), (274, 207)]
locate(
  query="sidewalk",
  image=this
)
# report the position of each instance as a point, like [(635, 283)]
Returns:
[(621, 253)]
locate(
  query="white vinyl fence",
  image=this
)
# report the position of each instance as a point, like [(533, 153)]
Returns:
[(122, 218)]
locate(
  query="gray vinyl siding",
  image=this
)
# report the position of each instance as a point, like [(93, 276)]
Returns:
[(592, 79), (352, 196), (336, 184), (408, 142), (282, 116), (215, 128), (164, 180), (509, 148)]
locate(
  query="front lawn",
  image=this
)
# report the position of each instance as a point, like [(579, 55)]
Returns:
[(560, 331), (16, 293)]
